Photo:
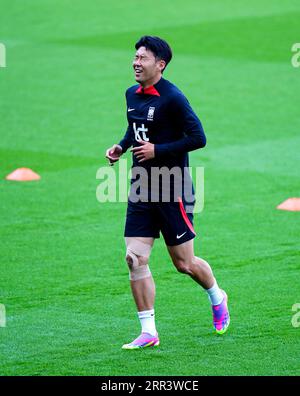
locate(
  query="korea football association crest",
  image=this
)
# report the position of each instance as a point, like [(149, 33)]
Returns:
[(150, 114)]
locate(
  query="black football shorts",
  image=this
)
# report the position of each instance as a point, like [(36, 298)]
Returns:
[(148, 219)]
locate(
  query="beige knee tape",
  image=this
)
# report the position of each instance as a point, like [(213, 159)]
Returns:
[(138, 268)]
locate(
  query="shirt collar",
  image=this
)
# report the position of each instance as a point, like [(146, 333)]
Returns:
[(152, 90)]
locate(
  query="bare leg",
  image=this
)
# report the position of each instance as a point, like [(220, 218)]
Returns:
[(143, 290), (198, 269), (186, 262)]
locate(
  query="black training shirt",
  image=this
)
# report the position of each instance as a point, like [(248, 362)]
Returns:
[(162, 115)]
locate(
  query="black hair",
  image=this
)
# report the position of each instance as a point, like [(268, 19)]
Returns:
[(158, 46)]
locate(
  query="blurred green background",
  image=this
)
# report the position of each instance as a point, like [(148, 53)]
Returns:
[(63, 278)]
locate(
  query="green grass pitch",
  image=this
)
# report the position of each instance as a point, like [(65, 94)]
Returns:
[(63, 279)]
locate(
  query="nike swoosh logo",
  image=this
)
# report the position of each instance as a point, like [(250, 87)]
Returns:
[(129, 109), (179, 236)]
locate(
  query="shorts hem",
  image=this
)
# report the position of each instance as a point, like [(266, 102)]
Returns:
[(141, 236), (180, 242)]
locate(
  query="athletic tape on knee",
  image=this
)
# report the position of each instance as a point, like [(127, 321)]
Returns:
[(140, 272), (138, 268)]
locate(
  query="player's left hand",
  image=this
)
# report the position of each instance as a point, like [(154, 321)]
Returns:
[(144, 152)]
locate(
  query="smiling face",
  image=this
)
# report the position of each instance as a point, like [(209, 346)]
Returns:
[(147, 69)]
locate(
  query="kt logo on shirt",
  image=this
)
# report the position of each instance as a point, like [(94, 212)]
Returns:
[(140, 133)]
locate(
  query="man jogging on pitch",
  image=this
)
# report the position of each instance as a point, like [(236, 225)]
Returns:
[(162, 128)]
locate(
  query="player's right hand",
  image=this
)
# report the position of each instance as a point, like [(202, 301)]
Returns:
[(114, 153)]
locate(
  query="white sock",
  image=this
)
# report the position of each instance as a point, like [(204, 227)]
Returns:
[(215, 294), (147, 320)]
